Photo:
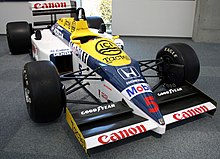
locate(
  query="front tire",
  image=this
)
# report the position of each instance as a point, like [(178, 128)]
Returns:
[(180, 64), (43, 91)]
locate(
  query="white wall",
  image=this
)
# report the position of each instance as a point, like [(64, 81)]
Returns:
[(16, 11), (171, 18), (207, 21), (130, 17), (13, 11)]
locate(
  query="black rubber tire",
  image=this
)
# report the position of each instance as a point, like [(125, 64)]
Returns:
[(19, 37), (94, 22), (182, 55), (43, 91)]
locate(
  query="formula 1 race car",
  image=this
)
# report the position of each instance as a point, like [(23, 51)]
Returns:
[(70, 57)]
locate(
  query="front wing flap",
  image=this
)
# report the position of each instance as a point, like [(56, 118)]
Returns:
[(183, 102), (114, 122)]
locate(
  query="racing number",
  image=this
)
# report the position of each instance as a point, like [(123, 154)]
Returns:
[(151, 102)]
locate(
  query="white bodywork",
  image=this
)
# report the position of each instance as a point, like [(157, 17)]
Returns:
[(49, 44)]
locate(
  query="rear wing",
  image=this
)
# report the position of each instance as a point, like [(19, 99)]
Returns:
[(52, 8)]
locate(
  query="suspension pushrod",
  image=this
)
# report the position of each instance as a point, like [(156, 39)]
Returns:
[(78, 81), (82, 102), (77, 78), (150, 61), (77, 88), (151, 67), (72, 73), (146, 64)]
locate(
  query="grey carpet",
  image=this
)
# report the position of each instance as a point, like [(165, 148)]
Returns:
[(20, 138)]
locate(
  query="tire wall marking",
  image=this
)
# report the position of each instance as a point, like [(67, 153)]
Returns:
[(75, 129)]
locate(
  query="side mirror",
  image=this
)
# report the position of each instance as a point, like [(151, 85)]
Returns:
[(102, 28), (115, 37), (38, 35)]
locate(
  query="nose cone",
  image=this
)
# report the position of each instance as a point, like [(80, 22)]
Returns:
[(142, 96), (146, 102)]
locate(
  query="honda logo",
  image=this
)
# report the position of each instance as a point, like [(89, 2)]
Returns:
[(128, 72)]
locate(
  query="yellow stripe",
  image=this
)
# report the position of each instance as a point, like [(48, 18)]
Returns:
[(75, 129)]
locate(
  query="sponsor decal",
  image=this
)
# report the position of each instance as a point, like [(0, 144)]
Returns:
[(170, 91), (67, 24), (60, 28), (61, 52), (111, 55), (102, 95), (152, 106), (135, 81), (74, 47), (82, 55), (115, 58), (106, 52), (97, 109), (58, 33), (128, 72), (34, 49), (50, 5), (119, 43), (190, 112), (75, 129), (121, 134), (73, 26), (107, 87), (135, 90), (169, 50), (109, 48)]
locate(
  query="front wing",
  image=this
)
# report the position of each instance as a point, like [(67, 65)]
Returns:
[(183, 102), (100, 125)]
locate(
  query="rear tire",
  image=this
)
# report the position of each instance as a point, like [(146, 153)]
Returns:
[(19, 37), (43, 91), (180, 64)]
